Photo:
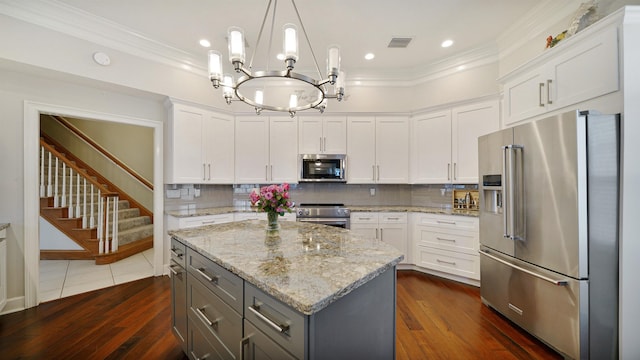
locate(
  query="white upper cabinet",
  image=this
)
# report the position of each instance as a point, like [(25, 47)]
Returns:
[(579, 68), (199, 147), (266, 149), (377, 150), (431, 144), (467, 124), (322, 134), (445, 143)]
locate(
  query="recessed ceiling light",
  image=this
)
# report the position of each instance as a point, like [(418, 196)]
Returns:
[(446, 43), (369, 56), (205, 43), (461, 67)]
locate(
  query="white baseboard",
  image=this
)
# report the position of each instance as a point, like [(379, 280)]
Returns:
[(13, 305), (441, 274)]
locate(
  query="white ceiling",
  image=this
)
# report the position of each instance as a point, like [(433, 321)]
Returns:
[(358, 26)]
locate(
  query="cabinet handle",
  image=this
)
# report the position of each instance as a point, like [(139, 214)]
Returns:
[(445, 239), (455, 171), (209, 278), (324, 143), (271, 171), (448, 171), (282, 328), (446, 262), (393, 218), (208, 222), (204, 318), (320, 143), (549, 92), (378, 172), (446, 222), (173, 251), (209, 172), (173, 269), (244, 342), (193, 355), (540, 95), (204, 171), (373, 170), (381, 236)]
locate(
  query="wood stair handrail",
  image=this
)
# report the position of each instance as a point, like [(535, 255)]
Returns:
[(64, 122), (69, 163)]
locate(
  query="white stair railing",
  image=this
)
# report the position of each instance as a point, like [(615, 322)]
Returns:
[(83, 189)]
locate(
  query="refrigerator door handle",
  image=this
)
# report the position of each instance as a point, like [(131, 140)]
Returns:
[(509, 197), (506, 196), (560, 282)]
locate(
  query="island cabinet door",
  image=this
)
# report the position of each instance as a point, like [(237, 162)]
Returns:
[(258, 346), (179, 303)]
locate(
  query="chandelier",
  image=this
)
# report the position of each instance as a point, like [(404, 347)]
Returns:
[(272, 89)]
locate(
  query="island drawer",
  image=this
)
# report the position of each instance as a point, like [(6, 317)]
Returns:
[(222, 282), (202, 346), (278, 321), (214, 317), (178, 252)]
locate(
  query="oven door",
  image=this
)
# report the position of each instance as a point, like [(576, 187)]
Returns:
[(336, 222)]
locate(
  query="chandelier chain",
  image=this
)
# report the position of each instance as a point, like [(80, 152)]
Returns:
[(304, 31)]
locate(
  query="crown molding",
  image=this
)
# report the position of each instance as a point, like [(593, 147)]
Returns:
[(60, 17)]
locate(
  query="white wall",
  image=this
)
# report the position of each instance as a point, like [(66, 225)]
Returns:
[(15, 89), (53, 239)]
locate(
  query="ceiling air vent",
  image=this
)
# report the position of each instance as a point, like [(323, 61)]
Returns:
[(399, 42)]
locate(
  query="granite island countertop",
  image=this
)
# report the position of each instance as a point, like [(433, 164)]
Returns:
[(360, 208), (306, 266)]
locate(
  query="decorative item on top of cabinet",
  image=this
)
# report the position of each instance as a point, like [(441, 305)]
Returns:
[(582, 67)]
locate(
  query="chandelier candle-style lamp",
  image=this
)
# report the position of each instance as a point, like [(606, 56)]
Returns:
[(272, 89)]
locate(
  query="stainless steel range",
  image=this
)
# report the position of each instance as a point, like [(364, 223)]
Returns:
[(327, 214)]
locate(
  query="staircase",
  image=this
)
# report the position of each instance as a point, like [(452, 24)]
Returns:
[(83, 209)]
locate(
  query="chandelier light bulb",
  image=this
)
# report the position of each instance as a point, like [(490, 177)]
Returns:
[(333, 62), (259, 97), (236, 46), (290, 42), (215, 66), (293, 101)]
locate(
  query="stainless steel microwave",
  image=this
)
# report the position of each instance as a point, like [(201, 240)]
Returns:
[(322, 168)]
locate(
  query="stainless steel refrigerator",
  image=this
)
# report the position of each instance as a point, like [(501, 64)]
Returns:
[(549, 230)]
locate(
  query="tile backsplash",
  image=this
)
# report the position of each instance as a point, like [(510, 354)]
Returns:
[(207, 196)]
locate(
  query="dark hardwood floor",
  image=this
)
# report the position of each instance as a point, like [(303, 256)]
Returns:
[(436, 319)]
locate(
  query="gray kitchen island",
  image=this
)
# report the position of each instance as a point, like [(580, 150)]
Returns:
[(306, 291)]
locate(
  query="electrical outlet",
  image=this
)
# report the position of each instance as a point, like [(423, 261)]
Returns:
[(372, 191)]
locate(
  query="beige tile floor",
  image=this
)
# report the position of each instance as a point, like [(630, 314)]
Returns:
[(62, 278)]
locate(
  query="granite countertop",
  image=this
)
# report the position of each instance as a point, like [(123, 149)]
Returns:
[(4, 226), (306, 266), (361, 208)]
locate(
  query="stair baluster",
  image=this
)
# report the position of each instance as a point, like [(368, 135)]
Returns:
[(91, 220), (84, 204), (49, 187), (106, 225), (77, 195), (71, 208), (100, 222), (55, 186), (63, 203), (114, 222)]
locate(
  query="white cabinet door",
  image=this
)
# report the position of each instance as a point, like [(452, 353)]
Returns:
[(310, 135), (525, 96), (218, 149), (322, 135), (467, 123), (361, 150), (252, 149), (392, 150), (283, 149), (334, 135), (432, 148), (388, 227), (185, 162)]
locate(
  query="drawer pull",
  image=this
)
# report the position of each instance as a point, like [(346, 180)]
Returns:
[(282, 328), (208, 222), (446, 222), (209, 278), (243, 343), (446, 262), (173, 269), (174, 253), (445, 239), (193, 355), (204, 318), (393, 218)]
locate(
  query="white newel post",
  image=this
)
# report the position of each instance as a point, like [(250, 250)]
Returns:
[(42, 189), (63, 203), (49, 188), (77, 195), (106, 226), (84, 203), (114, 236), (70, 212), (55, 187), (100, 222)]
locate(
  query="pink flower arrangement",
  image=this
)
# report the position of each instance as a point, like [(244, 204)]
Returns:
[(272, 198)]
